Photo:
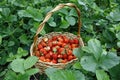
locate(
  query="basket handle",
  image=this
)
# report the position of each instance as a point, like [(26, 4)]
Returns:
[(49, 14)]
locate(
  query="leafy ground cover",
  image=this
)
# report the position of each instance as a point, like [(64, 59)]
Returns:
[(98, 59)]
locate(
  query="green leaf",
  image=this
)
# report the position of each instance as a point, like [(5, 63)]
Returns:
[(17, 65), (95, 47), (23, 77), (118, 35), (108, 35), (21, 52), (64, 11), (32, 71), (83, 3), (77, 65), (66, 75), (115, 72), (73, 13), (21, 3), (30, 61), (114, 16), (10, 75), (12, 18), (50, 71), (71, 20), (23, 13), (78, 75), (78, 52), (0, 39), (64, 24), (31, 13), (6, 12), (118, 44), (102, 75), (23, 39), (2, 73), (86, 49), (11, 43), (109, 61), (53, 24), (88, 63)]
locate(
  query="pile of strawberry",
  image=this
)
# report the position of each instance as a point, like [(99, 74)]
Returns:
[(57, 49)]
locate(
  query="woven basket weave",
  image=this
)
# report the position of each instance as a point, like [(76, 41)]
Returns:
[(43, 65)]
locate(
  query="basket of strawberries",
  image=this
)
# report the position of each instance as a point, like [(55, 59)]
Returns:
[(55, 49)]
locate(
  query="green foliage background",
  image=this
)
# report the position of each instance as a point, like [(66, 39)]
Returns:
[(19, 20)]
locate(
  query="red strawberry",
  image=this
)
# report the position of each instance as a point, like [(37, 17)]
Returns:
[(37, 53), (54, 61), (70, 57), (54, 56), (42, 58), (76, 41)]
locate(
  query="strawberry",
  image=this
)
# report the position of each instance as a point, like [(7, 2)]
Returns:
[(70, 57), (43, 43), (48, 60), (54, 38), (47, 48), (43, 51), (47, 56), (37, 53), (69, 52), (40, 46), (60, 39), (54, 56), (42, 58), (60, 56), (65, 56), (64, 61), (76, 41), (54, 61), (61, 50)]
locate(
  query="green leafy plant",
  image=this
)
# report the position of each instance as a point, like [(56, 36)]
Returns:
[(100, 31)]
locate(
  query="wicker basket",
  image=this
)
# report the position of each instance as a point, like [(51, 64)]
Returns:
[(43, 65)]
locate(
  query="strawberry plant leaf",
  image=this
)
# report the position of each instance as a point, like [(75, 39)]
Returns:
[(71, 20), (66, 75), (88, 61), (118, 44), (86, 49), (115, 72), (23, 77), (78, 52), (114, 16), (11, 43), (6, 12), (53, 24), (77, 65), (0, 39), (118, 35), (32, 71), (23, 39), (102, 75), (73, 12), (64, 24), (108, 35), (95, 47), (30, 61), (109, 61), (21, 52), (17, 65), (10, 75), (31, 13), (12, 18)]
